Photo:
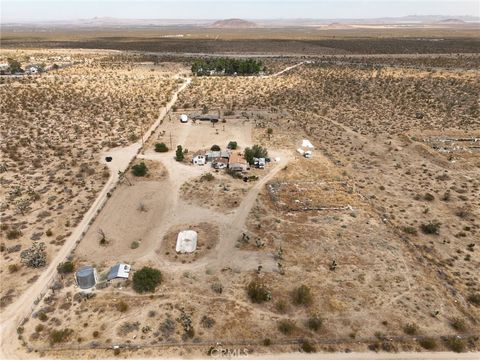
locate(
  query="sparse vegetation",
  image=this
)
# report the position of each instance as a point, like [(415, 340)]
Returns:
[(140, 169), (257, 292), (302, 296), (161, 147)]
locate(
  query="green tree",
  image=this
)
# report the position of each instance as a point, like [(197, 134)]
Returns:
[(65, 267), (215, 148), (232, 145), (256, 151), (179, 153), (140, 169), (161, 147), (146, 279)]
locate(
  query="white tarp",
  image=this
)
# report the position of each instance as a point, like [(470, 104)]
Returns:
[(307, 144), (186, 241)]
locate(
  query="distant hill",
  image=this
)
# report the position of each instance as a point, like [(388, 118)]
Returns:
[(234, 23), (451, 21)]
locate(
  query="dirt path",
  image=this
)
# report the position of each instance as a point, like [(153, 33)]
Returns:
[(21, 308)]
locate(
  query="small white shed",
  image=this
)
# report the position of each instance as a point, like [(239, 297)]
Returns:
[(186, 241)]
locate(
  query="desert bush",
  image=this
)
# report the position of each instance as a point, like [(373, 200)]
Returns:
[(207, 177), (431, 228), (474, 299), (13, 234), (12, 268), (42, 316), (167, 327), (458, 324), (410, 329), (58, 336), (232, 145), (428, 343), (315, 323), (217, 287), (215, 148), (410, 230), (39, 328), (96, 334), (122, 306), (428, 197), (161, 147), (267, 342), (281, 306), (308, 347), (286, 327), (207, 322), (302, 296), (146, 279), (49, 232), (140, 169), (35, 256), (66, 267), (134, 245), (455, 344), (257, 292)]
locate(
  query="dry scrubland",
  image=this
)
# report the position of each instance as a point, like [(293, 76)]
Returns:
[(400, 220), (54, 128)]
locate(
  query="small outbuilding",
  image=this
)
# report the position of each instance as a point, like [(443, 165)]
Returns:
[(214, 155), (220, 163), (86, 277), (119, 271), (186, 241), (237, 162), (199, 158)]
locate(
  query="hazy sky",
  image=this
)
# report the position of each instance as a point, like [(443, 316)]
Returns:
[(15, 10)]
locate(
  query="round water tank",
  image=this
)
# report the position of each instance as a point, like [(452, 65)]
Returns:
[(183, 118), (86, 277)]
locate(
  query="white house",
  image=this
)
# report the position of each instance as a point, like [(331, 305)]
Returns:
[(199, 158)]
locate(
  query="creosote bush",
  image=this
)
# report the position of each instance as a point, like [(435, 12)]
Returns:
[(286, 327), (315, 323), (146, 279), (140, 169), (257, 292), (410, 329), (428, 343), (302, 296), (431, 228), (58, 336), (122, 306)]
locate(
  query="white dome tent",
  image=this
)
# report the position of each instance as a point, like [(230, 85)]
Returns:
[(186, 241)]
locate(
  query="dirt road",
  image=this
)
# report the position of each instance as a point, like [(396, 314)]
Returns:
[(21, 308)]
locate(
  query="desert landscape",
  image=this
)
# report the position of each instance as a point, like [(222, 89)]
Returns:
[(331, 195)]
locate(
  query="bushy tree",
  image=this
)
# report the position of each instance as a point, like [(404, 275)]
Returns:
[(140, 169), (146, 279), (256, 151), (161, 147), (65, 267), (232, 145), (179, 153), (215, 148)]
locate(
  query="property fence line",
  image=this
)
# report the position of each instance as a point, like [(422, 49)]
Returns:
[(254, 342)]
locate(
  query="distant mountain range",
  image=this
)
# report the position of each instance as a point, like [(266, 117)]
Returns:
[(111, 22)]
